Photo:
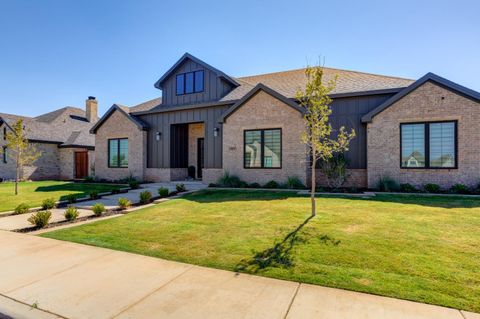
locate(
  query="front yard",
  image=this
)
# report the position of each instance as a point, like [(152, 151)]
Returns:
[(33, 193), (425, 249)]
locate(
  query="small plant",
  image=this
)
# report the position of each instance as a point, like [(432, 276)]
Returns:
[(48, 203), (431, 188), (115, 191), (212, 185), (387, 184), (242, 184), (191, 171), (227, 180), (89, 179), (254, 185), (294, 182), (93, 194), (407, 188), (40, 219), (163, 192), (124, 203), (71, 213), (180, 188), (145, 197), (271, 184), (21, 209), (98, 209), (134, 184), (71, 198), (460, 189)]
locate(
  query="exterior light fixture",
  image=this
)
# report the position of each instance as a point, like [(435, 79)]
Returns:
[(157, 135), (215, 131)]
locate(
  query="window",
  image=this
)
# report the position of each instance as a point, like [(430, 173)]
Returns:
[(118, 152), (4, 133), (263, 148), (4, 154), (429, 145), (191, 82)]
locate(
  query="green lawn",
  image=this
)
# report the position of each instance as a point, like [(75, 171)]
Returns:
[(425, 249), (33, 193)]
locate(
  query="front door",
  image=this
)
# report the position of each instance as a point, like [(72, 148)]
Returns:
[(81, 164), (200, 156)]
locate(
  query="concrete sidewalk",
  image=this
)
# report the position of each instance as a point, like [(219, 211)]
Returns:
[(77, 281)]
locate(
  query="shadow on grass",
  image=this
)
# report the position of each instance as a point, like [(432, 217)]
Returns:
[(281, 254), (79, 189)]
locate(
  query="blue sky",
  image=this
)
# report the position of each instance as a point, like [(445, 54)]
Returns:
[(55, 53)]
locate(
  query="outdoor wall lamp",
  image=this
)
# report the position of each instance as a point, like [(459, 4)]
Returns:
[(157, 135), (215, 131)]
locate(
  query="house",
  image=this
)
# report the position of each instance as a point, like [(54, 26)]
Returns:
[(63, 138), (423, 131)]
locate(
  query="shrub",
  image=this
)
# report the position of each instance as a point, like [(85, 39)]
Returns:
[(98, 209), (93, 194), (124, 203), (271, 184), (180, 188), (294, 182), (212, 185), (353, 190), (134, 184), (431, 188), (407, 188), (460, 189), (71, 213), (163, 192), (71, 198), (227, 180), (115, 191), (145, 197), (335, 170), (254, 185), (242, 184), (21, 209), (48, 203), (387, 184), (89, 179), (191, 171), (40, 219)]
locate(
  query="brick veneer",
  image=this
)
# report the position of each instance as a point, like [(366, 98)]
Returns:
[(263, 111), (429, 102), (119, 126), (355, 178)]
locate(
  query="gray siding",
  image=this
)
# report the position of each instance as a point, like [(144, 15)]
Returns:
[(158, 152), (348, 112), (214, 87)]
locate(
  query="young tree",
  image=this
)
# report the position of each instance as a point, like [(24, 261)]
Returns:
[(20, 150), (317, 135)]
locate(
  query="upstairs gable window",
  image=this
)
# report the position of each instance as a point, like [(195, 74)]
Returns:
[(190, 82)]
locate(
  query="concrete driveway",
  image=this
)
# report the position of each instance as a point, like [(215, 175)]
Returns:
[(76, 281)]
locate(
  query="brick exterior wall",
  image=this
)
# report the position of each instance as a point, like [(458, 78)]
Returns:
[(263, 111), (67, 162), (119, 126), (195, 131), (211, 175), (47, 166), (429, 102), (355, 178)]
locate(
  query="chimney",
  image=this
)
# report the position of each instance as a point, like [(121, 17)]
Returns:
[(91, 109)]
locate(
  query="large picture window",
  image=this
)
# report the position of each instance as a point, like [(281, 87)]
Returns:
[(190, 82), (118, 152), (429, 145), (263, 148)]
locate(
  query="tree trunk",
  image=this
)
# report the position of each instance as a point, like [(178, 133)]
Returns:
[(313, 182), (16, 180)]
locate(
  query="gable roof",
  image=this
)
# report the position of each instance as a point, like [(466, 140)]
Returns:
[(57, 127), (187, 56), (367, 118), (145, 106), (253, 92), (123, 110), (288, 83)]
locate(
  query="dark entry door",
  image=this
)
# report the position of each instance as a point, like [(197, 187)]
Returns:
[(200, 156), (81, 164)]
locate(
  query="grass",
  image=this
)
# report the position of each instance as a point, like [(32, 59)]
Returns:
[(424, 249), (33, 193)]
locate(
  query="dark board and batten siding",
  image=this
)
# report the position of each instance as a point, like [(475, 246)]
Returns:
[(348, 112), (214, 87), (158, 152)]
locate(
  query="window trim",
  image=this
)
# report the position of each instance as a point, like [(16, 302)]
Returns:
[(426, 125), (262, 151), (118, 152), (194, 91)]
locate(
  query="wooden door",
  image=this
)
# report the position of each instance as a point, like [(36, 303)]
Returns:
[(81, 164)]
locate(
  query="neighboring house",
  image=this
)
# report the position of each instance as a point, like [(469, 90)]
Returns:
[(63, 138), (423, 131)]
